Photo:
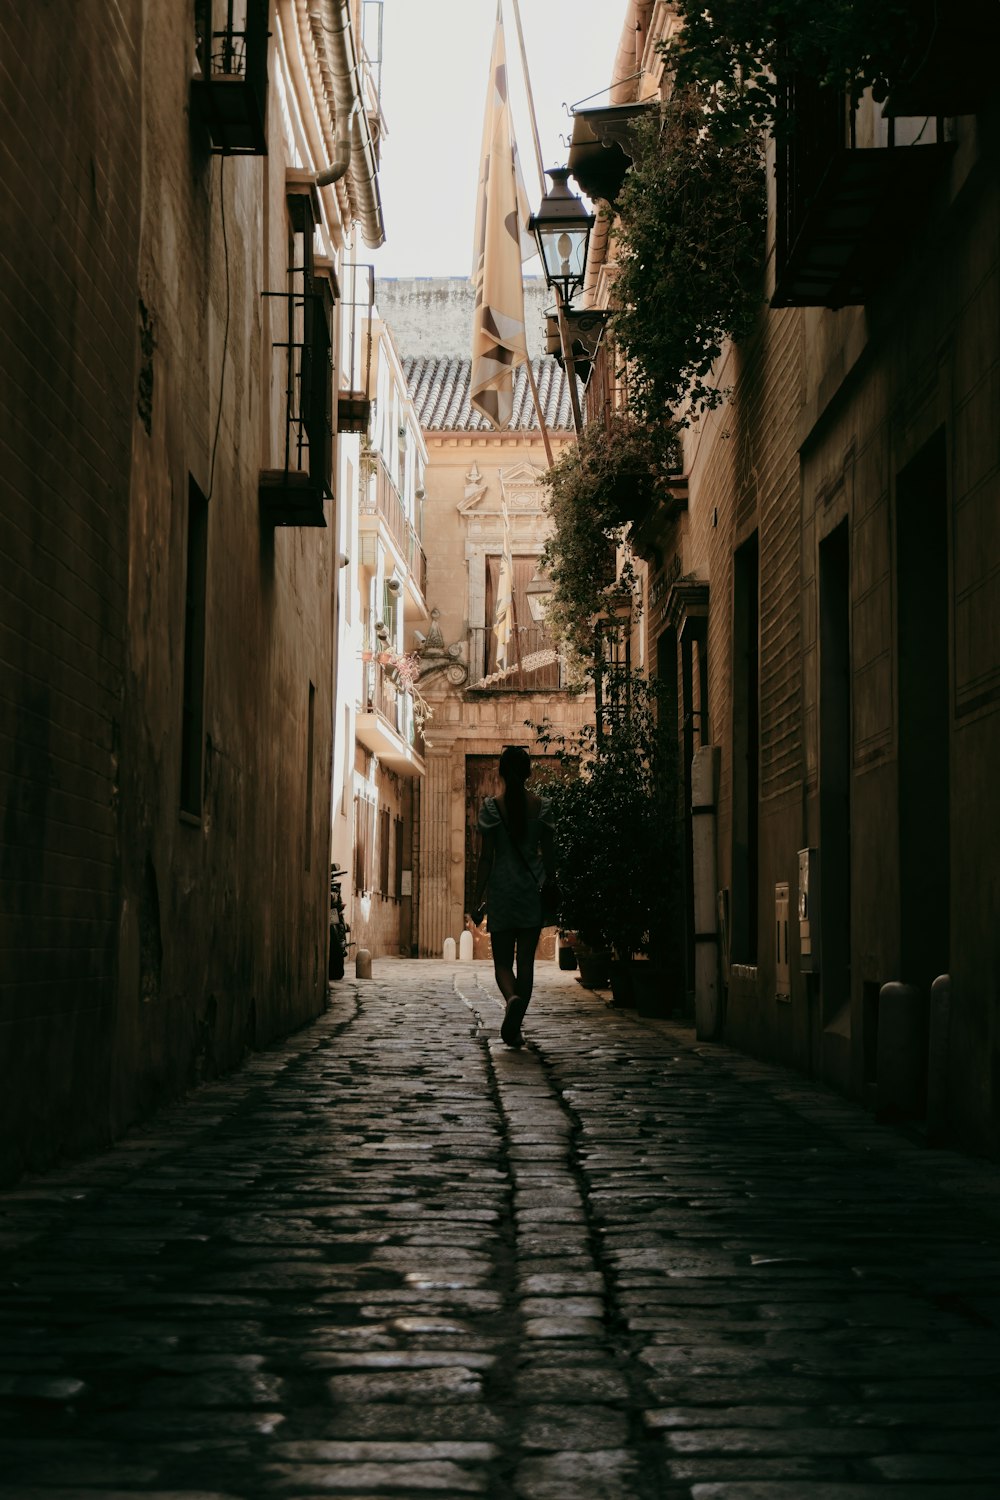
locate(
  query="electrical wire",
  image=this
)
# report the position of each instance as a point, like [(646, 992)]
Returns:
[(225, 335)]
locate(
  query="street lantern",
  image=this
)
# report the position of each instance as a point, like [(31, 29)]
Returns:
[(539, 592), (562, 229)]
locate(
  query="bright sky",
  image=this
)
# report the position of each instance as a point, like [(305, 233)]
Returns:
[(435, 70)]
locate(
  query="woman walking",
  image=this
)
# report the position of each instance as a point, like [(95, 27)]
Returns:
[(516, 856)]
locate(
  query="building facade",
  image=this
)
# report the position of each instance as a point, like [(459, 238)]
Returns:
[(821, 589), (168, 514), (382, 611), (480, 481)]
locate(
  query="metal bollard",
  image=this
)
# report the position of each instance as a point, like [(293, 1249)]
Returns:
[(363, 964)]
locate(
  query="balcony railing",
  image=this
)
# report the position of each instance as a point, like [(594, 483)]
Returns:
[(530, 640), (385, 697), (231, 87), (293, 494), (850, 180), (389, 507)]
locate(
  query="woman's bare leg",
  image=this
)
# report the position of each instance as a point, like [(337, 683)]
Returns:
[(526, 943), (503, 961)]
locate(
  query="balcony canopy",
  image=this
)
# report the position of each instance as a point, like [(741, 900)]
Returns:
[(600, 151)]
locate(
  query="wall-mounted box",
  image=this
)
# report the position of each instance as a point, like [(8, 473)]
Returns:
[(809, 910), (782, 975)]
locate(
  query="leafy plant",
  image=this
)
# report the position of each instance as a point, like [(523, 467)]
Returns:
[(616, 822), (595, 489), (690, 243), (737, 50)]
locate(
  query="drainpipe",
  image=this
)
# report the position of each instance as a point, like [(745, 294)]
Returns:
[(342, 151), (704, 793), (330, 23)]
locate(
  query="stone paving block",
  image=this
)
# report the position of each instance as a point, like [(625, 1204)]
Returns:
[(401, 1359), (590, 1475), (562, 1328), (664, 1418), (789, 1466), (799, 1440), (407, 1478), (391, 1257), (580, 1428), (453, 1383), (572, 1384), (562, 1307)]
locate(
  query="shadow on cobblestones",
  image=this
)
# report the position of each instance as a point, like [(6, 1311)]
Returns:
[(394, 1258)]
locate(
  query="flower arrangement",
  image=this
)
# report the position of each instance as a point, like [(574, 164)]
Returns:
[(404, 667)]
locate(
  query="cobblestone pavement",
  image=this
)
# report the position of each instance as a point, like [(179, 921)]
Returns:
[(394, 1258)]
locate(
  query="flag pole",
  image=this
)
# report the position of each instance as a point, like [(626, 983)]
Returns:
[(531, 97), (538, 412), (569, 365), (517, 633)]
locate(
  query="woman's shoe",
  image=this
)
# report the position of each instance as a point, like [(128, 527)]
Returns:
[(510, 1031)]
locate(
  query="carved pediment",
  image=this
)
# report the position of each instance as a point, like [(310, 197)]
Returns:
[(520, 485)]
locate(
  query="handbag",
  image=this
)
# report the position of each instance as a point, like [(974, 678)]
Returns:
[(548, 891)]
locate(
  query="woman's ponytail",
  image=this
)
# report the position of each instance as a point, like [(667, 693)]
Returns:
[(515, 768)]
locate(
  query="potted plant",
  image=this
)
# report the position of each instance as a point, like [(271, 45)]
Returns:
[(616, 824)]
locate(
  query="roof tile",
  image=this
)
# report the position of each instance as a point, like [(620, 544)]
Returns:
[(439, 387)]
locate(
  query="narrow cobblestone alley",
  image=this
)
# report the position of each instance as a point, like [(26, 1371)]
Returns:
[(394, 1258)]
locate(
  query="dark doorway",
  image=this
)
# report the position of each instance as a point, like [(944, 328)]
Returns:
[(746, 751), (668, 669), (924, 715), (835, 771)]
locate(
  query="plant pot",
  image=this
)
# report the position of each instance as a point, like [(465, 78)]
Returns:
[(622, 993), (567, 955), (594, 968), (651, 989)]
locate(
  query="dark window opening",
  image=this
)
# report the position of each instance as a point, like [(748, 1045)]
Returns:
[(746, 751), (193, 691), (384, 827), (310, 743), (924, 716)]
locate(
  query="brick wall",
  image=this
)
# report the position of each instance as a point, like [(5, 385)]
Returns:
[(69, 162), (143, 949)]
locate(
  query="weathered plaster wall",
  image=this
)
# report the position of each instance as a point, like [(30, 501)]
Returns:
[(432, 316)]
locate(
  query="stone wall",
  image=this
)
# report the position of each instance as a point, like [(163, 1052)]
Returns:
[(70, 331), (149, 944)]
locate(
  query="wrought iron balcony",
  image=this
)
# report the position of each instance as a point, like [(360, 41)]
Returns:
[(230, 91), (849, 187), (385, 722), (293, 494), (387, 506)]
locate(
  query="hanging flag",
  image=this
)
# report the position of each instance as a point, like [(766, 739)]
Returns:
[(503, 615), (501, 245)]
